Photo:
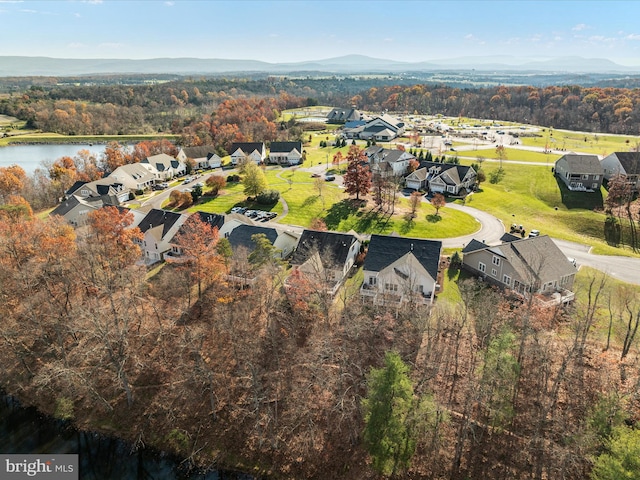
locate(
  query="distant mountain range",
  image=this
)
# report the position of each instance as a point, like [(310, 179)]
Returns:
[(349, 64)]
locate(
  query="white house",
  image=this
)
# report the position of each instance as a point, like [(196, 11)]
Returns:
[(399, 269), (623, 163), (285, 153), (166, 166), (252, 150), (159, 227), (135, 176), (200, 155)]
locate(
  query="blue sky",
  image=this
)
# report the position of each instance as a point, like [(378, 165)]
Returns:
[(290, 31)]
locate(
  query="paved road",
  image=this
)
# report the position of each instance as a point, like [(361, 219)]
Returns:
[(490, 228), (626, 269)]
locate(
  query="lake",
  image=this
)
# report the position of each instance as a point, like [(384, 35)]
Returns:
[(30, 157), (25, 430)]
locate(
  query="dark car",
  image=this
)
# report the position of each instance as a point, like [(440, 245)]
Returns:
[(329, 178)]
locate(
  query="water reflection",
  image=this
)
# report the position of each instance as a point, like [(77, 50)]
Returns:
[(24, 430)]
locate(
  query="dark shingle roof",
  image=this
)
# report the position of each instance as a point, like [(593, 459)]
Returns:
[(66, 206), (508, 237), (630, 161), (241, 236), (474, 245), (343, 115), (76, 185), (198, 152), (157, 217), (330, 245), (285, 147), (214, 219), (384, 250), (247, 147), (582, 163)]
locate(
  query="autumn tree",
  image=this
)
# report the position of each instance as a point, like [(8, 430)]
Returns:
[(501, 153), (357, 179), (415, 199), (254, 180), (12, 180), (413, 165), (438, 201), (216, 183), (318, 224), (198, 241), (338, 158)]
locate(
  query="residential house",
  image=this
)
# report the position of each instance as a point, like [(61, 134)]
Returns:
[(382, 128), (285, 153), (158, 228), (387, 162), (167, 167), (201, 156), (135, 176), (446, 178), (214, 220), (255, 151), (343, 115), (284, 241), (523, 265), (623, 163), (582, 173), (75, 209), (326, 257), (399, 269), (109, 189)]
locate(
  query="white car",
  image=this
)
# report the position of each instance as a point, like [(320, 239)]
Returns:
[(534, 233)]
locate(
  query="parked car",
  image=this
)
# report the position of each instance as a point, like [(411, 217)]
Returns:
[(534, 233), (187, 180), (164, 185), (239, 210), (199, 184), (572, 261), (330, 178)]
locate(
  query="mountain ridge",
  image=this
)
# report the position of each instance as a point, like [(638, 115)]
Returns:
[(346, 64)]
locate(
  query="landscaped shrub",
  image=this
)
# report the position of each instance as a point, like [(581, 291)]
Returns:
[(268, 197), (233, 178)]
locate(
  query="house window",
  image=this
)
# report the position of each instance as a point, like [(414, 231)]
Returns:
[(84, 191), (506, 279), (391, 287), (596, 177), (373, 280), (594, 186), (496, 261), (585, 177), (482, 267), (494, 272)]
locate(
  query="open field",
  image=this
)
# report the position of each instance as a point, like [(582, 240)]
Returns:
[(515, 154), (594, 143), (531, 196)]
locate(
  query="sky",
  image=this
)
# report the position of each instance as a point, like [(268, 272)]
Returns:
[(293, 31)]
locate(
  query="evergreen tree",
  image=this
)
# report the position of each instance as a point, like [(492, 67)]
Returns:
[(389, 436)]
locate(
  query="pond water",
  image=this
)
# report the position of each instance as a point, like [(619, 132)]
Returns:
[(25, 430), (30, 157)]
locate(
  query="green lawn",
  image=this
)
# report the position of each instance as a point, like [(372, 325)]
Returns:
[(305, 203), (596, 143), (515, 154), (49, 138), (531, 196)]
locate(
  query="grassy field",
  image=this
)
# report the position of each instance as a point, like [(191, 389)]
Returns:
[(531, 196), (517, 155), (594, 143), (305, 203)]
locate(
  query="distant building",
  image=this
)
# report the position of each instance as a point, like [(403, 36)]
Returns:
[(582, 173)]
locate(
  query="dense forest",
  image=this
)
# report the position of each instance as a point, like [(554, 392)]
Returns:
[(181, 106), (288, 383)]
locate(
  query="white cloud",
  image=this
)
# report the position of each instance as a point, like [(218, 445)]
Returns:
[(388, 39), (273, 35), (76, 45), (633, 36), (579, 27), (169, 4), (77, 15), (469, 36)]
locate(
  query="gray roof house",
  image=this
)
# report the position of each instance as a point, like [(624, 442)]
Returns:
[(343, 115), (401, 269), (158, 228), (526, 266), (623, 163), (326, 257), (201, 155), (582, 173), (285, 153), (167, 167), (446, 178)]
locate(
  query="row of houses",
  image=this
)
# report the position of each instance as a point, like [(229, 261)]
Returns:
[(280, 153), (382, 128), (585, 173)]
